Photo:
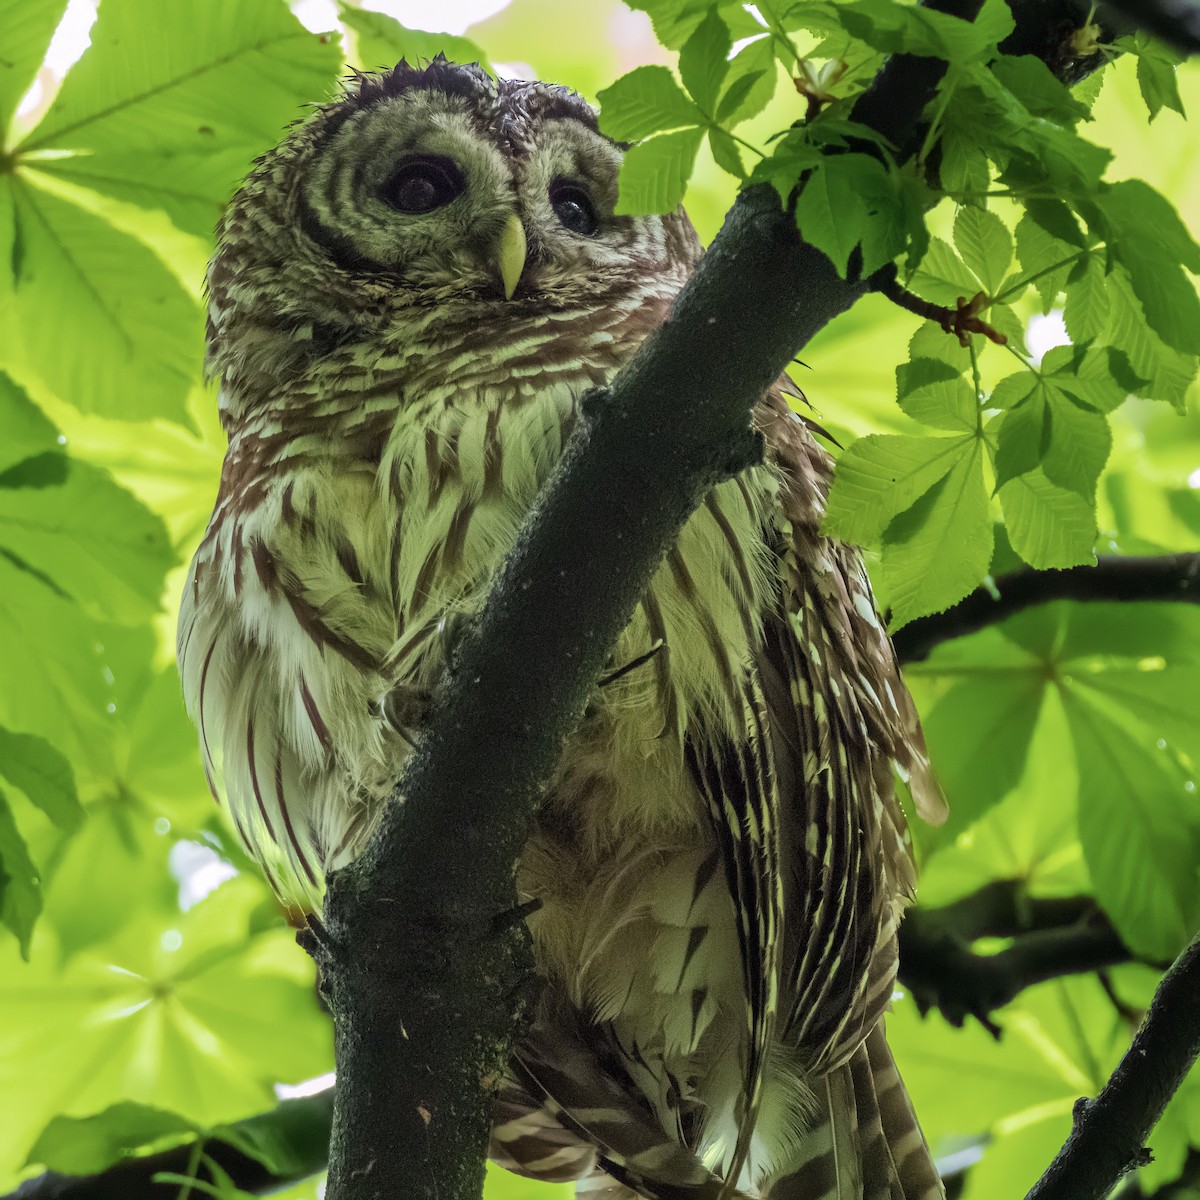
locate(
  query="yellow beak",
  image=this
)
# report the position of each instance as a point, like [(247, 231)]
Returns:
[(510, 254)]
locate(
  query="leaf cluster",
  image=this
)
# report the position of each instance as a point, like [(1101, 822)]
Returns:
[(1007, 434)]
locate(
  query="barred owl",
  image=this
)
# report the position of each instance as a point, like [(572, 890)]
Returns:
[(409, 297)]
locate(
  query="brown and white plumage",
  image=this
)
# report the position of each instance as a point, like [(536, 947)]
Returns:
[(409, 297)]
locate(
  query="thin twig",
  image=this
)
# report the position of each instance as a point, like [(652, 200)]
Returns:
[(962, 320), (1109, 1135)]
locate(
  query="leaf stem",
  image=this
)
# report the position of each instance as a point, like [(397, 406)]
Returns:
[(945, 94), (1021, 284), (741, 141)]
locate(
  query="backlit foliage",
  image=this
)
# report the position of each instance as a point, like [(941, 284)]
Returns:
[(149, 986)]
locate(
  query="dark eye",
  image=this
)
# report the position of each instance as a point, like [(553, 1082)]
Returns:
[(423, 184), (574, 208)]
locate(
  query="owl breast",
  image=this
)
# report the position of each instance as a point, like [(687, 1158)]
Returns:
[(636, 926), (348, 530)]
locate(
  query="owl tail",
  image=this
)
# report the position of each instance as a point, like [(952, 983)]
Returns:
[(866, 1143)]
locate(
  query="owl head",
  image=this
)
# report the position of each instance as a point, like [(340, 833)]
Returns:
[(419, 188)]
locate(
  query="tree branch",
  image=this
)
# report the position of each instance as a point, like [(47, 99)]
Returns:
[(1109, 1134), (1168, 577), (1051, 938), (427, 995), (424, 992)]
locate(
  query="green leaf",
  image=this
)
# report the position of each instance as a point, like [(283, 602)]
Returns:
[(27, 431), (848, 200), (789, 159), (1078, 446), (196, 1013), (899, 29), (39, 770), (10, 243), (1022, 433), (1085, 311), (1012, 389), (1141, 850), (985, 244), (137, 350), (829, 215), (935, 393), (1005, 320), (942, 276), (1057, 156), (895, 215), (20, 888), (655, 173), (644, 102), (676, 20), (978, 734), (1054, 218), (964, 168), (725, 152), (703, 61), (89, 1145), (1156, 65), (1141, 661), (1049, 244), (751, 86), (1033, 83), (381, 41), (932, 341), (1151, 242), (55, 673), (939, 549), (1096, 377), (880, 476), (27, 32), (1019, 1148), (738, 96), (994, 21), (172, 102), (1160, 89), (93, 539), (1048, 525), (1166, 373)]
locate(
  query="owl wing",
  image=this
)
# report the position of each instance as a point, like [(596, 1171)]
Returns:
[(813, 840), (737, 779), (842, 721)]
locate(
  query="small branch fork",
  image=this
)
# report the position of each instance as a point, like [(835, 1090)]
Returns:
[(1050, 939), (962, 320)]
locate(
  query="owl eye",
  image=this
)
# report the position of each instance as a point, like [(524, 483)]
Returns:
[(423, 184), (574, 208)]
